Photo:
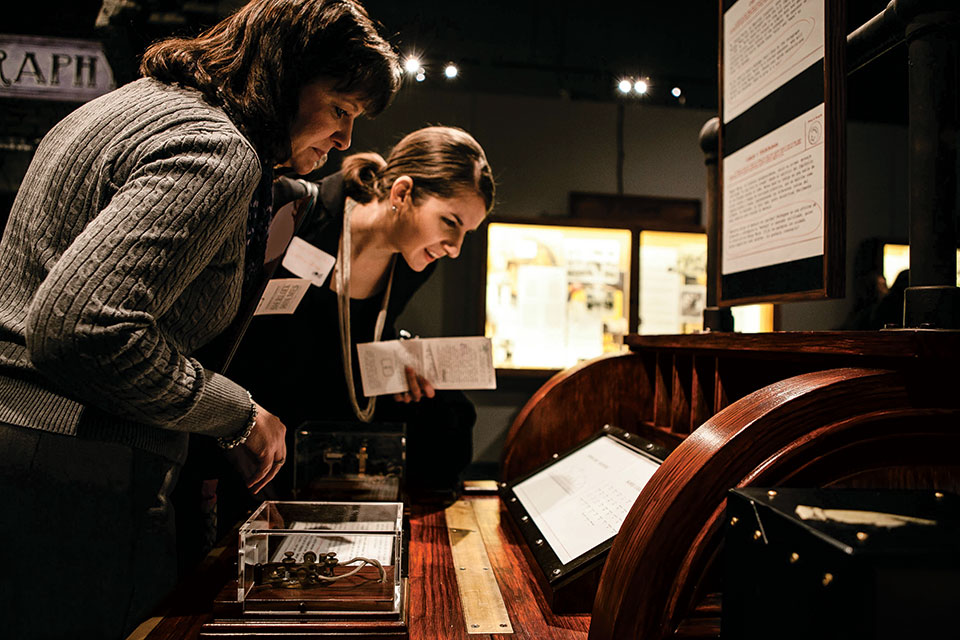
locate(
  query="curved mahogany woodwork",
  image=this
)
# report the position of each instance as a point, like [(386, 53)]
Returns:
[(814, 429), (571, 406)]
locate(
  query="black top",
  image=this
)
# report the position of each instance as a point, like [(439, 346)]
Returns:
[(292, 363)]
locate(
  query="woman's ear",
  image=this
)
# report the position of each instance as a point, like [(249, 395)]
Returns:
[(401, 190)]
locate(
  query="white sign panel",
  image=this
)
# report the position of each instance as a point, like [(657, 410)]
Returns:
[(53, 68), (765, 44), (773, 197)]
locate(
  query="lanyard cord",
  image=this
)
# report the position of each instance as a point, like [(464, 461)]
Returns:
[(343, 307)]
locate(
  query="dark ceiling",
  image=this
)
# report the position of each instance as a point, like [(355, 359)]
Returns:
[(555, 48)]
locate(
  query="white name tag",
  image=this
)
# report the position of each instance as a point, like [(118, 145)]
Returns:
[(282, 295), (305, 260)]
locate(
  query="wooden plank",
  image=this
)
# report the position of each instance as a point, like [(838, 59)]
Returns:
[(680, 396), (702, 382), (483, 607), (662, 388), (903, 344)]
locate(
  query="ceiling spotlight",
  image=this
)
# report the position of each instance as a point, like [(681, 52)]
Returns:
[(624, 86), (640, 87), (675, 92), (451, 71), (421, 74), (412, 64)]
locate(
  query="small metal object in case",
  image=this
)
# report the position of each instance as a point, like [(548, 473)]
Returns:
[(321, 559)]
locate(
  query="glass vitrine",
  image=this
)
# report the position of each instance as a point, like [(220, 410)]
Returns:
[(321, 558)]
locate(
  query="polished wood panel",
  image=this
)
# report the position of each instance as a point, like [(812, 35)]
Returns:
[(570, 407), (904, 344), (434, 609), (435, 604), (816, 429), (654, 392), (680, 394), (702, 391), (868, 409)]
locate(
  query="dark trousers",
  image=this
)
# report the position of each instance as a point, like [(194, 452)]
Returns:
[(88, 546)]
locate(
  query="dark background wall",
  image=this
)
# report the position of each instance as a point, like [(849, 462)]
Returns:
[(537, 89)]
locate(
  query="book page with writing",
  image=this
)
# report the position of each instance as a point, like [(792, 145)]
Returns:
[(447, 363)]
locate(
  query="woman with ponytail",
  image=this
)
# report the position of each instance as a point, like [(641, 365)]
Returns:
[(399, 216)]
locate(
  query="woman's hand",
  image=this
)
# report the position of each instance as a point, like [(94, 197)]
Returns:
[(266, 447), (417, 386)]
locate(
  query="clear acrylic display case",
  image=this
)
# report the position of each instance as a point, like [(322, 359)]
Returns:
[(286, 567)]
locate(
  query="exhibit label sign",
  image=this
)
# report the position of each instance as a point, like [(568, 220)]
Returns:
[(782, 150), (53, 68)]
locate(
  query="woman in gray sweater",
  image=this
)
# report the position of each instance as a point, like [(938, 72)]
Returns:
[(136, 235)]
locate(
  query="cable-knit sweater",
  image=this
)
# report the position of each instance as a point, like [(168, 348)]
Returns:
[(122, 255)]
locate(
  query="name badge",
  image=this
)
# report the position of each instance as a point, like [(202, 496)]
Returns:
[(306, 261), (282, 295)]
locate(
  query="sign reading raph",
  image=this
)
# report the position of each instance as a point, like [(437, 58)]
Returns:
[(53, 68)]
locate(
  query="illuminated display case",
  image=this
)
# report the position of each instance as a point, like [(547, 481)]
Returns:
[(673, 282), (560, 293), (555, 294), (673, 287)]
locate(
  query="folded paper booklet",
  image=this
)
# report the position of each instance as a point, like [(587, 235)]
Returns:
[(448, 363)]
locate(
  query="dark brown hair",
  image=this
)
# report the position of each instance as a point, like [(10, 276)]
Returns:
[(443, 162), (255, 62)]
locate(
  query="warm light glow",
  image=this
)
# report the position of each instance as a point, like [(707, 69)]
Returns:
[(412, 65), (673, 286), (753, 318), (675, 92), (640, 86), (451, 71), (624, 86), (896, 258), (555, 295)]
